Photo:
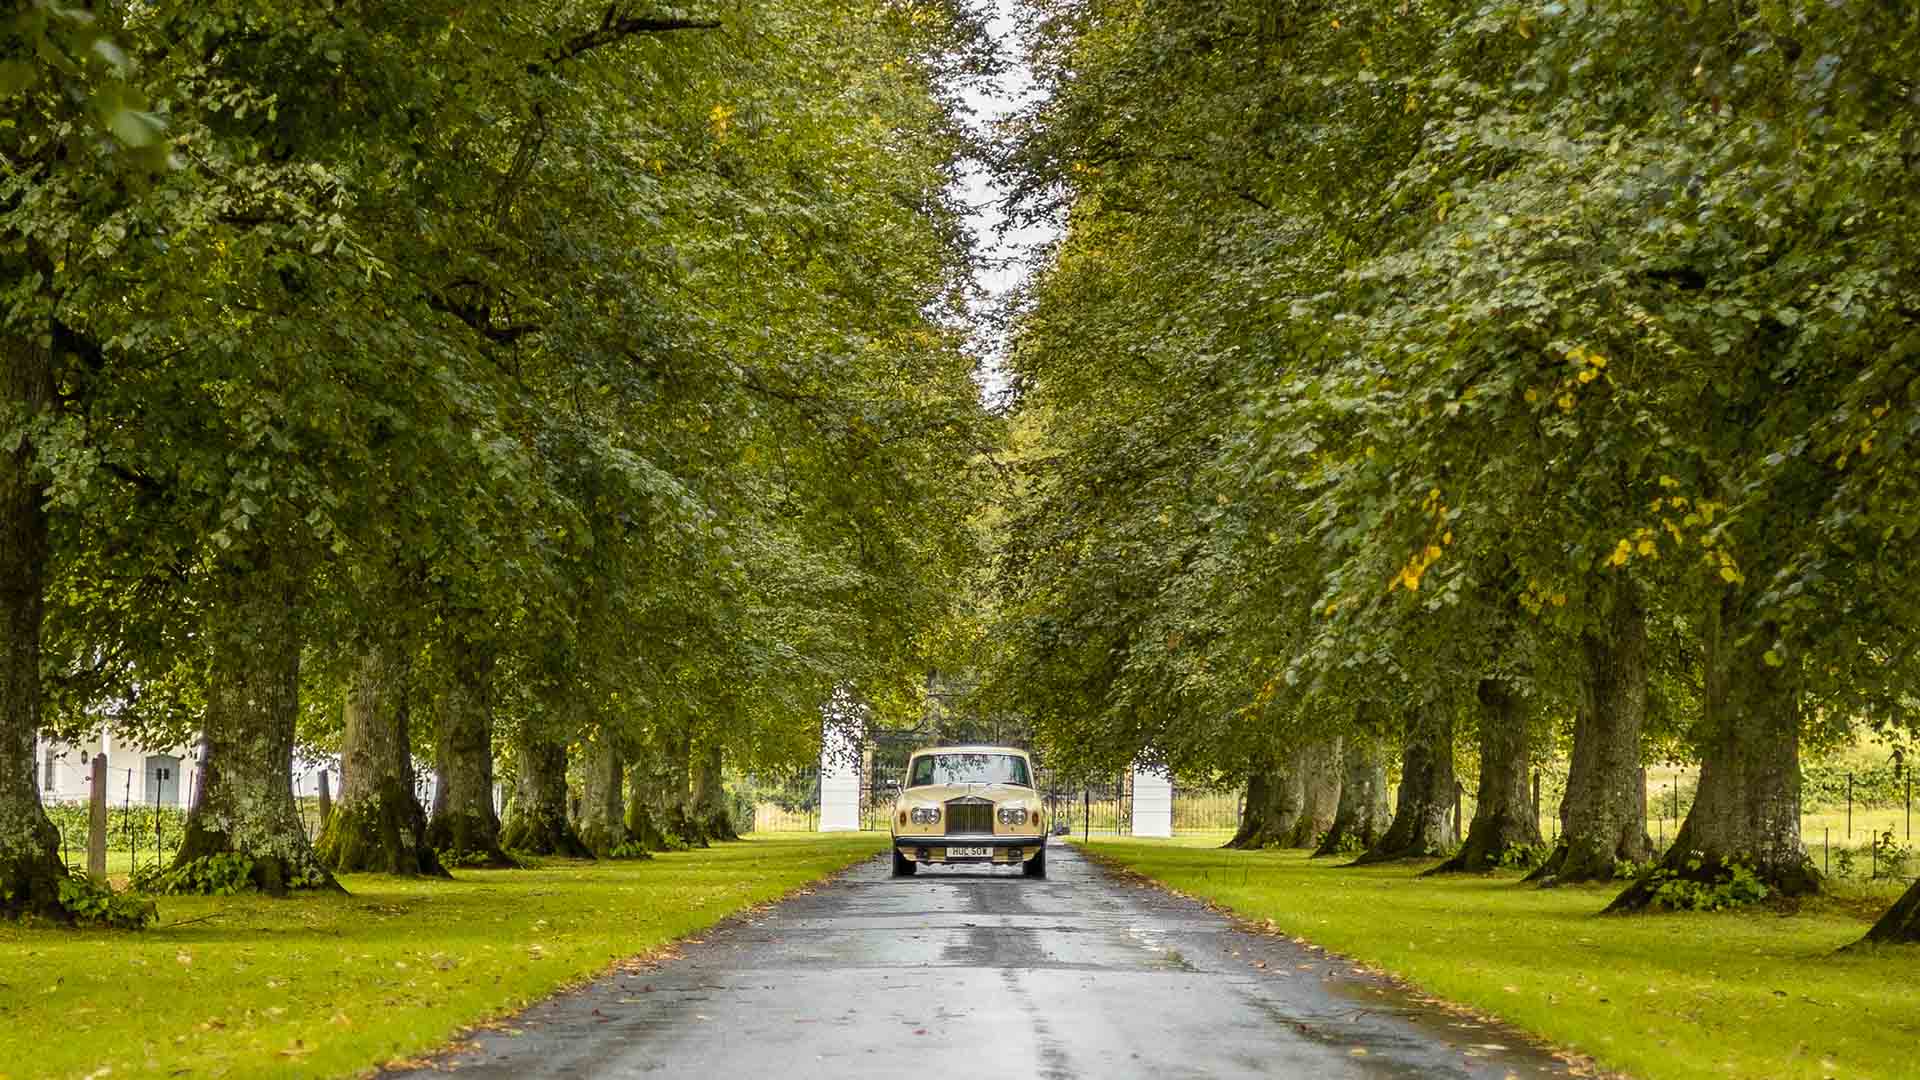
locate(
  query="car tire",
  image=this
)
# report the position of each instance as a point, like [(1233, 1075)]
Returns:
[(1036, 866), (902, 866)]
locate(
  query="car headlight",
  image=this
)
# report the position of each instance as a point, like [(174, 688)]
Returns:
[(925, 815), (1013, 815)]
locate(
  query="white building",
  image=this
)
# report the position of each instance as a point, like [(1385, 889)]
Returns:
[(138, 775)]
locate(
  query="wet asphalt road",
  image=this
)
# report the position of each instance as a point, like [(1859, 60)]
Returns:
[(981, 973)]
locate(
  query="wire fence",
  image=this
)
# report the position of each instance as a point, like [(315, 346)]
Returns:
[(146, 809)]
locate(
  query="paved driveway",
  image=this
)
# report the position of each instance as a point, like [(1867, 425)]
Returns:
[(985, 974)]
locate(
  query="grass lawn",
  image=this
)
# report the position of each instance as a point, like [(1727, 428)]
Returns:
[(1751, 994), (331, 985)]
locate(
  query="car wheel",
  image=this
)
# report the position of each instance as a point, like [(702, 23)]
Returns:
[(902, 866), (1036, 866)]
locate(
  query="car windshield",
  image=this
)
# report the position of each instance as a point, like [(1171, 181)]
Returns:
[(969, 769)]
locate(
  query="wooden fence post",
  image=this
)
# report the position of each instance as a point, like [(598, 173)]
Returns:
[(97, 821), (326, 799)]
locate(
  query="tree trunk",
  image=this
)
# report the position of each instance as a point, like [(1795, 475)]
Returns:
[(1901, 923), (710, 798), (1503, 818), (1363, 814), (537, 819), (641, 799), (1274, 800), (1746, 811), (673, 794), (245, 803), (30, 866), (603, 819), (377, 824), (464, 830), (1318, 766), (1422, 818), (1603, 816)]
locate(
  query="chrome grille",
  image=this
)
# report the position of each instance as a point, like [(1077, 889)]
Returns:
[(969, 816)]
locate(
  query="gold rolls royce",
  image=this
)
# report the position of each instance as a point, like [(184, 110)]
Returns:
[(969, 804)]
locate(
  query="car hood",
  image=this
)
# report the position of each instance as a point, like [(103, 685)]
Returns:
[(940, 793)]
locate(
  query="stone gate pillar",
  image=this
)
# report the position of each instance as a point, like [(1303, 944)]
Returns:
[(839, 780), (1152, 803)]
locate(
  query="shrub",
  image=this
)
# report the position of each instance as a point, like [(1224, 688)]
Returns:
[(92, 903), (225, 874), (1734, 885)]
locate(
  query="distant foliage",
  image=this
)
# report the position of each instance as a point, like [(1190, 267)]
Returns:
[(1823, 784), (127, 828)]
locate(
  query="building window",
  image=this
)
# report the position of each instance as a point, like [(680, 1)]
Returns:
[(46, 777)]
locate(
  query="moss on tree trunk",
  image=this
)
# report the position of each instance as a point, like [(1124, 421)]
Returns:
[(671, 790), (1422, 816), (1274, 800), (464, 830), (1603, 816), (1746, 810), (245, 803), (1318, 767), (641, 825), (377, 824), (537, 820), (1503, 818), (710, 806), (603, 819), (1363, 814), (30, 866)]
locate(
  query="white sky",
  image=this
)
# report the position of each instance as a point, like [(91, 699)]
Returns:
[(1005, 264)]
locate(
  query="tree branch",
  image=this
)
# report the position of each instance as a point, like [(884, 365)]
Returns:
[(614, 26)]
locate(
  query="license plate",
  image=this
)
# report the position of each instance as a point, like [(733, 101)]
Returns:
[(969, 853)]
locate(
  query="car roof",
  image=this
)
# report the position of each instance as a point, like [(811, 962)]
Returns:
[(973, 748)]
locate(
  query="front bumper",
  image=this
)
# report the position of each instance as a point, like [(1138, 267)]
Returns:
[(933, 849)]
